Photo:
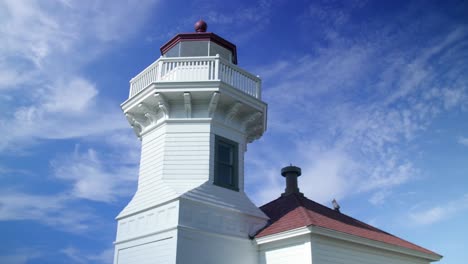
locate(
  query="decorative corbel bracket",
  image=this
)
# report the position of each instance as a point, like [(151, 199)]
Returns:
[(136, 124), (250, 119), (162, 104), (149, 113), (232, 112), (213, 104)]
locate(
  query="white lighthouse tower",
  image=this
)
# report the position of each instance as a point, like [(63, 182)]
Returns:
[(195, 111)]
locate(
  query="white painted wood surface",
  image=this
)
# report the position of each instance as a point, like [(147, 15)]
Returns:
[(152, 248), (333, 251), (156, 252), (295, 250), (174, 159), (200, 247), (151, 221), (192, 69)]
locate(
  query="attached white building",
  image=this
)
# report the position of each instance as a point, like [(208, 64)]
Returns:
[(195, 111)]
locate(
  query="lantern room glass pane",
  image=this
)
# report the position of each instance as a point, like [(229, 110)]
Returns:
[(194, 48), (173, 52), (223, 52)]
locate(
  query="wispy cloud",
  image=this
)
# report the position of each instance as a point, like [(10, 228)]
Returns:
[(41, 57), (240, 21), (20, 256), (51, 210), (463, 141), (93, 179), (87, 175), (46, 96), (363, 102), (78, 256), (438, 212)]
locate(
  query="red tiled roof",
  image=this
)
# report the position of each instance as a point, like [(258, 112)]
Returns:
[(295, 211)]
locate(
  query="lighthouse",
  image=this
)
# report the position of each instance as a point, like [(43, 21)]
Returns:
[(194, 110)]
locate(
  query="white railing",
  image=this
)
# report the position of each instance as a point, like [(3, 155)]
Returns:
[(196, 69)]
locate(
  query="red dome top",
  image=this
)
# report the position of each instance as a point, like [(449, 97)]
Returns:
[(200, 26)]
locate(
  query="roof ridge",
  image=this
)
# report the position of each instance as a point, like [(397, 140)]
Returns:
[(302, 207), (372, 228)]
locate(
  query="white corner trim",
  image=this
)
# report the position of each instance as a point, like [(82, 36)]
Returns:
[(371, 243), (283, 235)]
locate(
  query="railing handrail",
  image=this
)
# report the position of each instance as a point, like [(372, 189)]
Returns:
[(154, 64), (138, 82), (226, 62), (205, 58)]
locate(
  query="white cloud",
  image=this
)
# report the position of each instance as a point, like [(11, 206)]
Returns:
[(21, 256), (92, 179), (78, 256), (44, 47), (379, 197), (44, 121), (438, 213), (363, 103), (88, 175), (51, 210), (126, 147), (239, 21), (74, 95), (463, 141), (328, 174)]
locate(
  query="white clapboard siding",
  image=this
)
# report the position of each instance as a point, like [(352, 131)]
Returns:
[(156, 252), (224, 198), (186, 159), (199, 247), (175, 158), (297, 253), (150, 188), (330, 251)]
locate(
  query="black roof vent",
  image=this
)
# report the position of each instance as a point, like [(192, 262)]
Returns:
[(291, 173)]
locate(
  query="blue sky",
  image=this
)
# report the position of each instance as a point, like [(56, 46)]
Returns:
[(369, 98)]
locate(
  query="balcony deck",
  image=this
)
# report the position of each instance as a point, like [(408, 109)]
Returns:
[(188, 69)]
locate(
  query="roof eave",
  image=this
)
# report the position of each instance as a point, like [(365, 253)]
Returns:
[(282, 235), (315, 230), (373, 243)]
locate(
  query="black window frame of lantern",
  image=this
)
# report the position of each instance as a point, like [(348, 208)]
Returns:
[(234, 147)]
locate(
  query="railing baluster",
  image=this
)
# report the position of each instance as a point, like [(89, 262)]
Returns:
[(216, 77), (196, 69)]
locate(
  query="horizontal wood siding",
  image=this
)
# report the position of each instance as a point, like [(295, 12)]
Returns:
[(186, 159), (330, 251), (153, 252), (199, 247), (224, 198), (175, 158), (293, 250), (151, 189)]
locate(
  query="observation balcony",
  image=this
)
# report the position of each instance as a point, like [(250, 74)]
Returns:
[(196, 69)]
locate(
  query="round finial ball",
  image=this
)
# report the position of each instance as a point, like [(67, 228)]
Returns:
[(201, 26)]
